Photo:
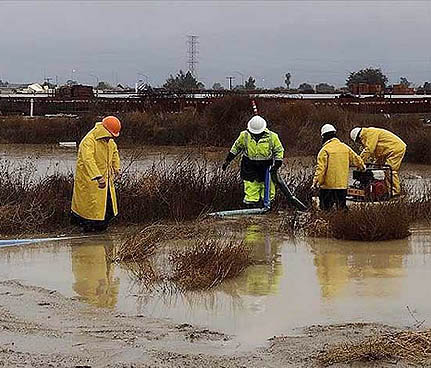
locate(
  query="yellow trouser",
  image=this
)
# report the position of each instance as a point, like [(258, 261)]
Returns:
[(394, 161), (254, 191)]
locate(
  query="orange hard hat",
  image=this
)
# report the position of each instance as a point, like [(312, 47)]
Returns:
[(112, 125)]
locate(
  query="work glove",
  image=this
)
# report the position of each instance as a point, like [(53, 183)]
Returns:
[(230, 156), (101, 182), (277, 164)]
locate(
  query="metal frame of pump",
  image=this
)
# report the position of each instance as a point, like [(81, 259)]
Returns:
[(365, 184)]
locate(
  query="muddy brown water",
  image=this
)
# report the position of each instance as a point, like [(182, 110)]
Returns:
[(296, 283)]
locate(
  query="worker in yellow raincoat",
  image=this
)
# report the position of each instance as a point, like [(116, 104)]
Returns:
[(385, 147), (332, 170), (261, 149), (94, 203)]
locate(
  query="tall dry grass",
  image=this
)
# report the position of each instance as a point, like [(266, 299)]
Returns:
[(362, 222), (219, 124), (177, 190), (208, 261)]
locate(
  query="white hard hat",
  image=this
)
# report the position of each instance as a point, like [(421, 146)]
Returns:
[(256, 124), (354, 134), (327, 128)]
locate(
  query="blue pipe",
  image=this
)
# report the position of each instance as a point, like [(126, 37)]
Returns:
[(14, 242), (266, 199)]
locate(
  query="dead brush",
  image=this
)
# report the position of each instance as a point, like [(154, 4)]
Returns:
[(412, 346), (362, 222), (208, 262), (140, 245), (371, 222)]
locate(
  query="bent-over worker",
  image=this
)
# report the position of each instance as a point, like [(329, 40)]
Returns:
[(385, 147), (94, 203), (332, 171), (260, 149)]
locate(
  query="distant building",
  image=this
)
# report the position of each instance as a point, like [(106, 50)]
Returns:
[(402, 89), (75, 92), (366, 89)]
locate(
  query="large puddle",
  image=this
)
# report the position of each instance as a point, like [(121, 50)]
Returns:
[(296, 283)]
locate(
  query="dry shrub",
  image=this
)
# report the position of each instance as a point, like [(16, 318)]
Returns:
[(207, 262), (362, 222), (182, 189), (140, 245), (411, 346), (32, 205), (371, 222)]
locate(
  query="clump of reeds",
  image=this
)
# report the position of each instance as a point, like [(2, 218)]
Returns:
[(140, 245), (372, 222), (181, 189), (411, 346), (363, 222), (32, 205), (207, 262)]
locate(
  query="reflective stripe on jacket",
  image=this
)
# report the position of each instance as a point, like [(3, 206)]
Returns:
[(333, 161), (379, 143), (257, 156), (97, 157)]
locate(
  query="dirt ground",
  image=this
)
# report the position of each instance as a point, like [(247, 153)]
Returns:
[(42, 328)]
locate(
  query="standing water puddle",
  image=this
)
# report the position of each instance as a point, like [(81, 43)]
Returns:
[(296, 283)]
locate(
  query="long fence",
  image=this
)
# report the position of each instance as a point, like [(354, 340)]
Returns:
[(111, 105)]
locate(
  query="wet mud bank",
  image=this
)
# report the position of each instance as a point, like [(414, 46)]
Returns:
[(66, 305), (40, 328)]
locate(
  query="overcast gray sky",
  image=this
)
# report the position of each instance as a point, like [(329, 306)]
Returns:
[(317, 41)]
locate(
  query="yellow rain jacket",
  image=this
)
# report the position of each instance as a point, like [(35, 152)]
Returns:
[(333, 162), (380, 143), (96, 157)]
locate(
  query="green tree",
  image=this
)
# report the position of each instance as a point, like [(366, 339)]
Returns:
[(183, 82), (404, 81), (369, 76), (287, 77), (217, 86), (305, 88), (250, 83), (103, 86), (325, 88)]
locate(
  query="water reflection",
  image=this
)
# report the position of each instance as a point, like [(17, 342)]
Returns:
[(338, 263), (264, 277), (93, 273)]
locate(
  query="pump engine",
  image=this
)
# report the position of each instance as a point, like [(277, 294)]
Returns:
[(371, 185)]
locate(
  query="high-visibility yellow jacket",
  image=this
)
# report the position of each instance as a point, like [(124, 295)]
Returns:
[(379, 143), (257, 156), (267, 148), (97, 157), (333, 161)]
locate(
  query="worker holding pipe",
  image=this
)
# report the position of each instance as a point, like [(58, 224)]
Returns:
[(332, 170), (385, 147), (94, 203), (260, 149)]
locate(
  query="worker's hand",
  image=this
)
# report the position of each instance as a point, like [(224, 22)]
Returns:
[(225, 165), (101, 182)]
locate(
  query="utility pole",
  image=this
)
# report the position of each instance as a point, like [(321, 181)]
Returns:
[(230, 79), (193, 54), (242, 77)]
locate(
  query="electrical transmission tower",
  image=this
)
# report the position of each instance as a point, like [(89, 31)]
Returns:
[(193, 54)]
